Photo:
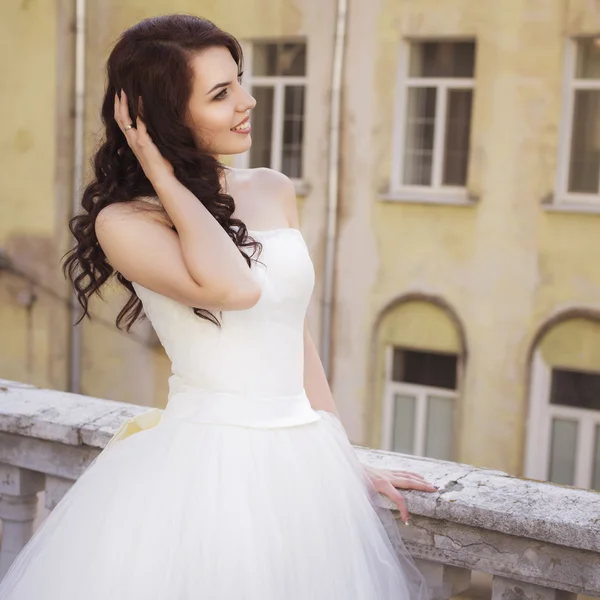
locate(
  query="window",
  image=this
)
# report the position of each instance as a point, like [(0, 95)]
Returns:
[(419, 402), (579, 160), (276, 77), (564, 426), (435, 105)]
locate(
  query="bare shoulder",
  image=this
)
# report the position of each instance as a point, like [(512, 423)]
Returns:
[(281, 187), (273, 179), (136, 210)]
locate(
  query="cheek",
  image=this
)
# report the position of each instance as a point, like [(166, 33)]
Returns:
[(218, 117), (213, 118)]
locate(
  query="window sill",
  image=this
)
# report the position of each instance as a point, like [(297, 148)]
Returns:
[(572, 207), (302, 187), (451, 198)]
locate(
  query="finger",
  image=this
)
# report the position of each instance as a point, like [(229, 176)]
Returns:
[(125, 110), (118, 111), (402, 472), (398, 499), (409, 483), (412, 476)]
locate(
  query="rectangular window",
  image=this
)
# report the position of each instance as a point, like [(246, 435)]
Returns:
[(563, 451), (579, 163), (276, 77), (574, 410), (420, 398), (436, 102)]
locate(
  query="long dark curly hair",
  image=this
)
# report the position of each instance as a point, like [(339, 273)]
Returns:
[(151, 60)]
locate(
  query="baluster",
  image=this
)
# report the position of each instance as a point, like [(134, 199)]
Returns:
[(56, 488), (18, 508), (443, 581)]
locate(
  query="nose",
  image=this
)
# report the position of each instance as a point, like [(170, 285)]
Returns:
[(247, 101)]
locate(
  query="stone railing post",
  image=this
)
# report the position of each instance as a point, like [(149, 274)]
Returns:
[(443, 581), (18, 509)]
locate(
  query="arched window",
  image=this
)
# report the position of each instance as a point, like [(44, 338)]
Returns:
[(563, 433), (420, 351)]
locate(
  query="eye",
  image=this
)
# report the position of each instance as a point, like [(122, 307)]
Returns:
[(221, 94), (240, 76)]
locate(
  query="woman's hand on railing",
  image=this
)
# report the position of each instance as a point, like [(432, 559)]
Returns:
[(387, 481)]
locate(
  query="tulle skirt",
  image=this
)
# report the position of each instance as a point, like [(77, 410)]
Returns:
[(174, 509)]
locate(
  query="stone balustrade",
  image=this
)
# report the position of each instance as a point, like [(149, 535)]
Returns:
[(538, 541)]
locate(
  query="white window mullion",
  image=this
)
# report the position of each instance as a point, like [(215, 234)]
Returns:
[(585, 453), (439, 135), (420, 423), (387, 418), (277, 133), (585, 84), (387, 414)]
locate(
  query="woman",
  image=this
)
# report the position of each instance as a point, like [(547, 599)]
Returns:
[(246, 486)]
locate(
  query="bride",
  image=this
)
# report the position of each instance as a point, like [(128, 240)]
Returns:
[(246, 485)]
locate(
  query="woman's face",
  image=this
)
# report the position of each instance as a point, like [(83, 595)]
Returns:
[(219, 106)]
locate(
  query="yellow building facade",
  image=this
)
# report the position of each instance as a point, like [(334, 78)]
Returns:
[(465, 315)]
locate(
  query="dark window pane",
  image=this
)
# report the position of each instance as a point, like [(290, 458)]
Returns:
[(425, 368), (293, 131), (420, 128), (279, 59), (458, 130), (588, 59), (262, 127), (575, 388), (585, 147), (442, 59)]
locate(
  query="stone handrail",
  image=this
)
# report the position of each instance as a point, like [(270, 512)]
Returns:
[(538, 540)]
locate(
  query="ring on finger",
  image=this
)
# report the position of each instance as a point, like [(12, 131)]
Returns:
[(128, 127)]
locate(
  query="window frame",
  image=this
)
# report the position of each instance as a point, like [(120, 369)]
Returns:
[(421, 392), (436, 191), (570, 86), (279, 83), (539, 428)]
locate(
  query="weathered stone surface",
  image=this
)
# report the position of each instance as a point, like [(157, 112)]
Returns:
[(496, 501), (59, 416)]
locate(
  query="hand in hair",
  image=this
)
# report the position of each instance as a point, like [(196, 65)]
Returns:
[(153, 163)]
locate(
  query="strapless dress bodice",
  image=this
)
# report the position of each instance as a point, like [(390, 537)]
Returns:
[(256, 356)]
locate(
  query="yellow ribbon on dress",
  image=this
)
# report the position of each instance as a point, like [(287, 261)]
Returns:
[(146, 420)]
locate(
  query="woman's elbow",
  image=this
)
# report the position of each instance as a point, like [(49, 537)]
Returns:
[(243, 298)]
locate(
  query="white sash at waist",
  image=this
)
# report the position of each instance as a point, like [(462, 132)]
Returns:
[(203, 406)]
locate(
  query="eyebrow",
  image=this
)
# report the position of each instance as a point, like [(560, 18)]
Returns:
[(219, 85)]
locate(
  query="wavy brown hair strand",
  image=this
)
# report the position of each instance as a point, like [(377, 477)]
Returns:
[(151, 60)]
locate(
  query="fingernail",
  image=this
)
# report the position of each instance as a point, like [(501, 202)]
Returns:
[(407, 522)]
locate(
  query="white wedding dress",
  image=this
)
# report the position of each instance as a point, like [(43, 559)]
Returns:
[(240, 490)]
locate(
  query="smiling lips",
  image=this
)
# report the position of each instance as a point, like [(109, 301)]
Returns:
[(243, 127)]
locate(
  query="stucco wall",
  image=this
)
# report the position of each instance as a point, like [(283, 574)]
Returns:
[(504, 264)]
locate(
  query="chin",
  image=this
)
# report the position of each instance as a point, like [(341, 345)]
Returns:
[(238, 148)]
